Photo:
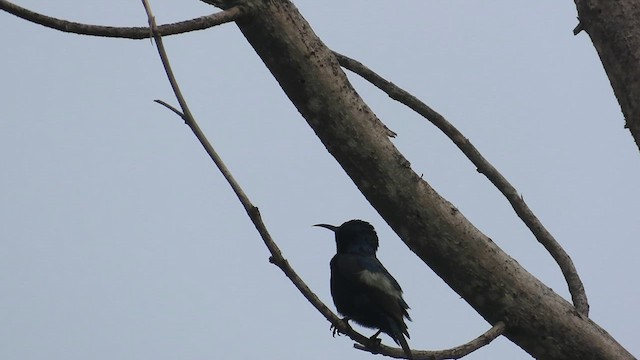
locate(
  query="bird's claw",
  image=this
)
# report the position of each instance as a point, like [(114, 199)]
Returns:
[(335, 330)]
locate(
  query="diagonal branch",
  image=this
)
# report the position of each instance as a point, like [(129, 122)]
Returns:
[(200, 23), (252, 211), (365, 343), (576, 288)]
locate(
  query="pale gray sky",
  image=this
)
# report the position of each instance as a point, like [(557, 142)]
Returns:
[(120, 240)]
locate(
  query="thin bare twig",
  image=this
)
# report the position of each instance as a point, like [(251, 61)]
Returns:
[(578, 28), (178, 112), (576, 288), (200, 23), (252, 211)]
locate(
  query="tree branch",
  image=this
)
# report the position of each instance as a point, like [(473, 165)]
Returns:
[(453, 353), (576, 288), (200, 23)]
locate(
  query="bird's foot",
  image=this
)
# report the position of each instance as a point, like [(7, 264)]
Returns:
[(335, 330), (374, 338), (374, 343)]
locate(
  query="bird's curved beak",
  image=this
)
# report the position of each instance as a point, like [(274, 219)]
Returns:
[(327, 226)]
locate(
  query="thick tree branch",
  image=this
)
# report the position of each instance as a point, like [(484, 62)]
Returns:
[(536, 318), (576, 288), (203, 22)]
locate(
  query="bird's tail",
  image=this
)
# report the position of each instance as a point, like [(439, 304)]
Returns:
[(398, 337), (405, 346)]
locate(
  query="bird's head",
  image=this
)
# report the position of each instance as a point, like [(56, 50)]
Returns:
[(354, 237)]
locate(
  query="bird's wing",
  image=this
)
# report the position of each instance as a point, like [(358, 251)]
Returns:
[(368, 271), (374, 274)]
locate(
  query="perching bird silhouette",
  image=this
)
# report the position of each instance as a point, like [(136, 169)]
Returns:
[(361, 287)]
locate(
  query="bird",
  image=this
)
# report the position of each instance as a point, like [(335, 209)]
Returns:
[(361, 287)]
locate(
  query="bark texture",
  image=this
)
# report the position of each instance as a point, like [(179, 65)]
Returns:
[(537, 319), (614, 28)]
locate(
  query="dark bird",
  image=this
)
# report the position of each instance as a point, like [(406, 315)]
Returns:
[(361, 287)]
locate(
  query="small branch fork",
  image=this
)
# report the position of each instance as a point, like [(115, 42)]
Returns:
[(365, 343), (576, 288)]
